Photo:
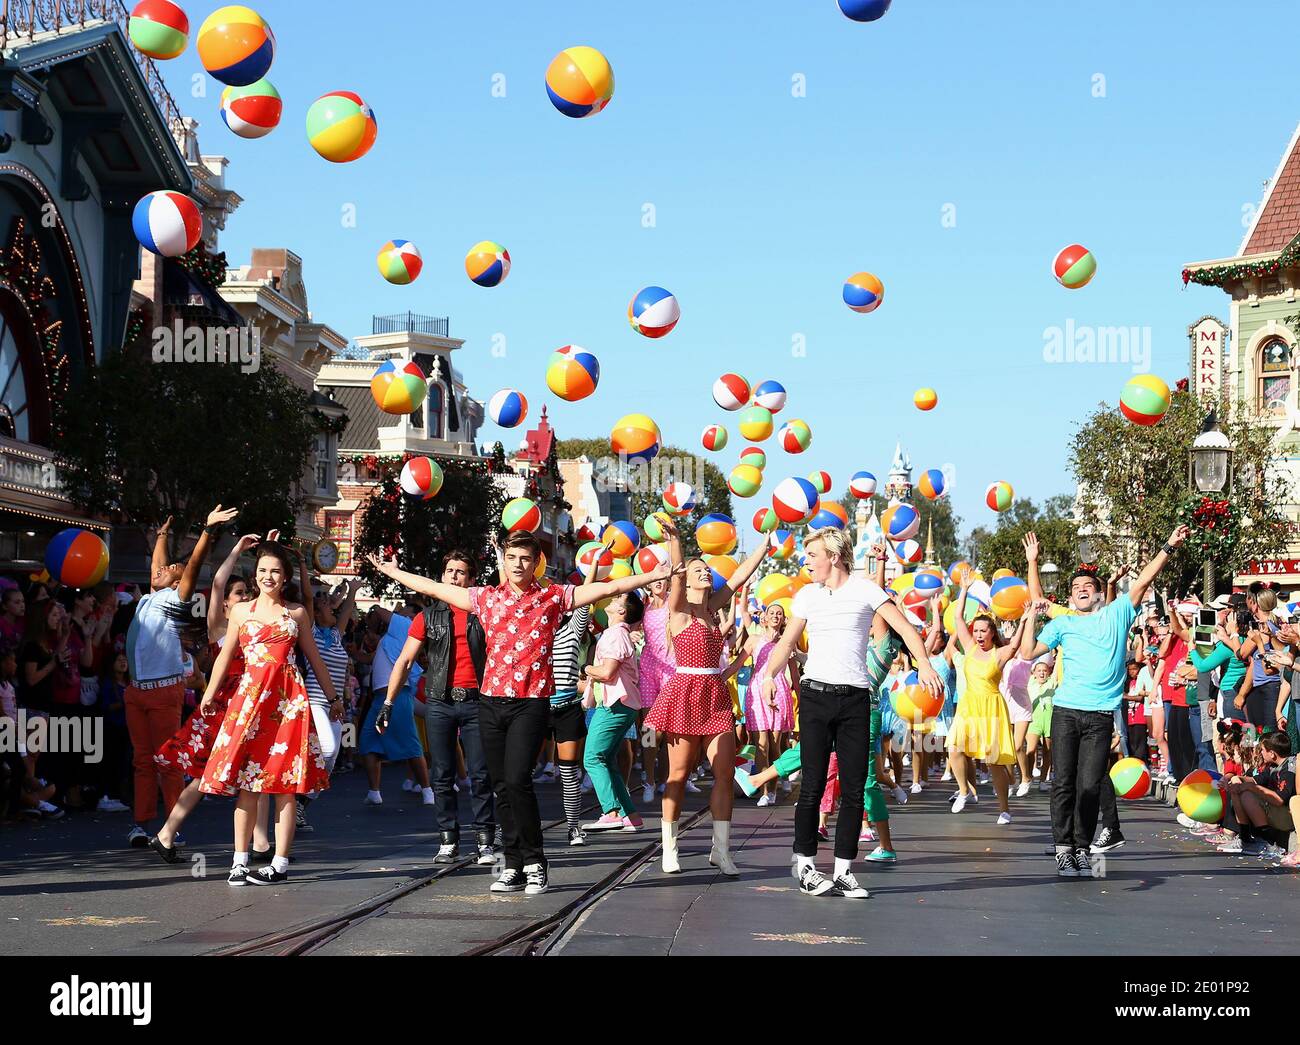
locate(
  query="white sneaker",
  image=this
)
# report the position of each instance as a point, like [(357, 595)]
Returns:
[(907, 760), (947, 775), (959, 804), (1004, 818), (374, 798), (690, 786), (1037, 772), (765, 800), (916, 788), (647, 794), (111, 805), (982, 778), (1188, 822), (901, 796), (1023, 789), (427, 797), (410, 785)]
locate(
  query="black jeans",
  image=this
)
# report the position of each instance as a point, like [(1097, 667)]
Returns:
[(512, 730), (1182, 745), (832, 722), (1080, 751), (443, 722)]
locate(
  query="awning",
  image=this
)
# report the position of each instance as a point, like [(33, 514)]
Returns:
[(63, 519), (181, 289)]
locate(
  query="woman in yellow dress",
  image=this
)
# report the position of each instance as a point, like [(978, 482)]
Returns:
[(981, 728)]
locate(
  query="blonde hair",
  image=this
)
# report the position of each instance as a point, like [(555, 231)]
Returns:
[(835, 542), (1266, 600)]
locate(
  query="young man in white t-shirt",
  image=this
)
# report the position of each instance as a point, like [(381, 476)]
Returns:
[(835, 698)]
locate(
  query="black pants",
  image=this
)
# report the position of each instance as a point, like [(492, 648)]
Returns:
[(1080, 751), (843, 724), (1182, 745), (444, 722), (512, 730), (1137, 742)]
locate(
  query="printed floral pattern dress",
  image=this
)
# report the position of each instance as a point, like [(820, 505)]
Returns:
[(189, 749), (267, 742)]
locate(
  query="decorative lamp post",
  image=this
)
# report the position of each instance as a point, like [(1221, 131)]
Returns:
[(1209, 470), (1049, 573)]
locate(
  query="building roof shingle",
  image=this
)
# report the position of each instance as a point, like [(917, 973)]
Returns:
[(1278, 220)]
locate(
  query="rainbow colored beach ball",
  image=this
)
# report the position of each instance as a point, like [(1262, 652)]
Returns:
[(908, 551), (755, 423), (915, 704), (731, 391), (508, 408), (864, 10), (821, 480), (721, 568), (925, 399), (900, 522), (765, 520), (999, 496), (1008, 597), (399, 261), (1145, 399), (863, 292), (421, 478), (77, 558), (252, 111), (572, 373), (678, 499), (487, 263), (622, 538), (651, 526), (167, 223), (653, 312), (863, 484), (1131, 779), (754, 455), (714, 437), (932, 484), (795, 436), (716, 534), (398, 391), (236, 46), (780, 544), (795, 500), (770, 395), (341, 127), (158, 29), (580, 82), (521, 514), (594, 558), (744, 480), (830, 514), (1074, 266), (1201, 797), (635, 436)]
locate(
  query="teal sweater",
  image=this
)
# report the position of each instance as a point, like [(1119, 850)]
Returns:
[(1217, 657)]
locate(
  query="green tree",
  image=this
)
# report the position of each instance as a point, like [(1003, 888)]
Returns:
[(1134, 486), (143, 440), (1000, 547)]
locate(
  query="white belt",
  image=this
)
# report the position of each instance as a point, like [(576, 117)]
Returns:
[(699, 671)]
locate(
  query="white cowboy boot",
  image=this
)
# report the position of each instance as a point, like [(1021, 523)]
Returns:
[(720, 854), (669, 830)]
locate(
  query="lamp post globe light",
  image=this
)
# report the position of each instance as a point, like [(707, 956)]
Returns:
[(1050, 575), (1209, 471)]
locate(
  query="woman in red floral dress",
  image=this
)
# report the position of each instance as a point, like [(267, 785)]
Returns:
[(694, 708), (267, 743)]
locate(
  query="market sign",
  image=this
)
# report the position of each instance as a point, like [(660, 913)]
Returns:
[(1209, 345)]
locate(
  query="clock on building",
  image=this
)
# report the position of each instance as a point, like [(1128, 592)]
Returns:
[(325, 556)]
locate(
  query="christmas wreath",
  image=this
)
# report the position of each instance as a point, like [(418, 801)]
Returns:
[(1215, 525)]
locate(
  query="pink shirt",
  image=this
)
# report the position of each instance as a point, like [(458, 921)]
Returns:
[(616, 644), (1015, 681)]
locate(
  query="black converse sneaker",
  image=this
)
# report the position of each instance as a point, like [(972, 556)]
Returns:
[(1108, 840), (1065, 865), (511, 881), (847, 886), (267, 875), (813, 882), (238, 875), (1082, 862), (535, 875)]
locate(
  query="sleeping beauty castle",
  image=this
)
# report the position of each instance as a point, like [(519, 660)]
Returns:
[(897, 489)]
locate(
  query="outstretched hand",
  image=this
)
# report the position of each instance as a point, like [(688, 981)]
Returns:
[(1030, 544), (217, 517)]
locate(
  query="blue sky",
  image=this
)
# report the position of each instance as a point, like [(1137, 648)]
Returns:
[(766, 202)]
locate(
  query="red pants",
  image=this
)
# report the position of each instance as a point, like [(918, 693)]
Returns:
[(152, 717)]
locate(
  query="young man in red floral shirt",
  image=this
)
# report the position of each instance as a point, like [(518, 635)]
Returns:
[(519, 618)]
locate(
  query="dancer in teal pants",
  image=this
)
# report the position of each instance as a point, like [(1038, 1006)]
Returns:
[(620, 699)]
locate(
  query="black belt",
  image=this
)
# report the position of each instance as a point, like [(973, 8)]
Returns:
[(458, 695), (836, 690)]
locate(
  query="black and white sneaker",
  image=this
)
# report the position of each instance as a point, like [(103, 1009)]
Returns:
[(267, 876), (487, 856), (847, 886), (538, 883), (812, 882), (446, 853), (1082, 862), (1065, 865), (1108, 840), (138, 838), (300, 819), (238, 875), (511, 881), (577, 836)]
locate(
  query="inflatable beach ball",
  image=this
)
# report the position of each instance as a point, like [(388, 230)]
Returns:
[(1131, 779), (821, 481), (716, 534), (508, 408), (679, 499), (915, 704), (487, 263), (1074, 266), (636, 437), (927, 581), (594, 557), (653, 312), (1008, 597), (864, 10), (830, 514), (863, 292), (999, 496), (754, 455), (650, 558), (721, 568), (862, 485), (579, 82), (765, 520), (932, 484), (651, 525), (1201, 797), (1145, 399), (341, 127), (795, 500), (714, 437), (900, 522), (770, 395), (421, 478), (399, 261), (522, 516), (908, 551), (158, 29), (772, 587), (780, 544), (744, 480), (398, 390), (236, 46), (572, 373), (622, 538), (999, 574), (925, 399), (252, 111), (731, 392), (755, 423), (77, 558), (795, 436), (958, 570), (167, 223)]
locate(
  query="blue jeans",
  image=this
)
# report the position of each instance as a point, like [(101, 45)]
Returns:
[(444, 721)]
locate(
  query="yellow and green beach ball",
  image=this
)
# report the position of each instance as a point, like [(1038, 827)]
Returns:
[(1201, 797), (1145, 399), (341, 126), (1131, 778)]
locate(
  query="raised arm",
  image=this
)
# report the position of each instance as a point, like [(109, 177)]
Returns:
[(1029, 648), (217, 600), (965, 640), (451, 594), (1012, 648), (1112, 583), (587, 594), (158, 562), (1030, 544), (304, 585), (190, 578), (723, 596), (1139, 590), (349, 606)]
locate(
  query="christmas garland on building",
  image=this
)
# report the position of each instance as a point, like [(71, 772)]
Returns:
[(1219, 275), (1215, 525), (207, 268)]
